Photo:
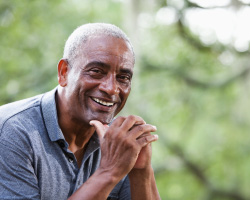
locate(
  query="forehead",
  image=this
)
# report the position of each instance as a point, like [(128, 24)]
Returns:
[(110, 48)]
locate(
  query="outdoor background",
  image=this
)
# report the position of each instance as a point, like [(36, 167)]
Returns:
[(192, 80)]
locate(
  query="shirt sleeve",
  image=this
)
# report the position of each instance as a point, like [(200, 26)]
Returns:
[(124, 193), (17, 177), (121, 190)]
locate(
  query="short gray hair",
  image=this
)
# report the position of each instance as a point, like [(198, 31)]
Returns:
[(81, 34)]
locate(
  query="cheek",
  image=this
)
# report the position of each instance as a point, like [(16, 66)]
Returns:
[(125, 92), (124, 95), (83, 82), (88, 85)]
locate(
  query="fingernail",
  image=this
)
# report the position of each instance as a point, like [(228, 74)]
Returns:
[(155, 127)]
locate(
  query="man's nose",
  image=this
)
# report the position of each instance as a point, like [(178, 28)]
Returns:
[(109, 85)]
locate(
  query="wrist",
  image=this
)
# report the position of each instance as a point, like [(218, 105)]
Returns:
[(145, 172), (109, 176), (98, 186), (141, 183)]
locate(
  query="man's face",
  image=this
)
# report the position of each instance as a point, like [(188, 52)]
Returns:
[(99, 82)]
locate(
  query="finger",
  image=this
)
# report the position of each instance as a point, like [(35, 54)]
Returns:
[(131, 121), (118, 121), (144, 135), (143, 141), (139, 130), (99, 127)]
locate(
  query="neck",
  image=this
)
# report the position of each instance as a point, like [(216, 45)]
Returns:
[(76, 133)]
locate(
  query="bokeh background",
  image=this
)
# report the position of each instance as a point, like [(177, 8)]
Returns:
[(192, 80)]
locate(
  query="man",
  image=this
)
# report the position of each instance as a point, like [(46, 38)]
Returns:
[(60, 145)]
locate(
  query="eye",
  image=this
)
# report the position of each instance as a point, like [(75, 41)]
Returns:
[(124, 78), (97, 71)]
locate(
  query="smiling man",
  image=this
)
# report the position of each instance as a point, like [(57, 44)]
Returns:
[(60, 145)]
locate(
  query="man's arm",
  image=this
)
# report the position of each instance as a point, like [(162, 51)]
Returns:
[(143, 185), (142, 180), (97, 187), (17, 176), (121, 144)]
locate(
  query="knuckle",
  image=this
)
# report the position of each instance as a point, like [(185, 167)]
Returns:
[(136, 119), (140, 128), (120, 118), (116, 122), (128, 143), (146, 139), (132, 117)]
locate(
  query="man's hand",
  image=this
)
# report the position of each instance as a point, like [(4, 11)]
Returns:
[(144, 157), (124, 145)]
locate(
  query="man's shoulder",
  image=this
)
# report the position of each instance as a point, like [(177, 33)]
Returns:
[(18, 109)]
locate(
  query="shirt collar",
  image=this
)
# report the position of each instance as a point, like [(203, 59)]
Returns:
[(50, 116)]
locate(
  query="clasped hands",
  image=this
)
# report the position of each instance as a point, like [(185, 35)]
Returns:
[(125, 144)]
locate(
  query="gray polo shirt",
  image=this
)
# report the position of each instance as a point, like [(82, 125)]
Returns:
[(35, 162)]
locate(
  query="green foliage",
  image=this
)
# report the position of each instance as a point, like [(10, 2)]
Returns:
[(198, 103)]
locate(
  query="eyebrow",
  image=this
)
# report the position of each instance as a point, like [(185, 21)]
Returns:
[(126, 71), (104, 65), (98, 63)]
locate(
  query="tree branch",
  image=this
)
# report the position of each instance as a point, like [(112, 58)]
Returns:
[(199, 174), (192, 167), (215, 84), (195, 42), (235, 3)]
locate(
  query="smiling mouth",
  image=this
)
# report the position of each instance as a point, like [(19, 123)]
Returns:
[(103, 103)]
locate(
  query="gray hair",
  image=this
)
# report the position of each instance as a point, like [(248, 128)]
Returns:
[(81, 34)]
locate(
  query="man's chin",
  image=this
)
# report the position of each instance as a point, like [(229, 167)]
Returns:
[(103, 120)]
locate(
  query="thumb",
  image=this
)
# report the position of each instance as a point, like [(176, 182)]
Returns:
[(99, 127)]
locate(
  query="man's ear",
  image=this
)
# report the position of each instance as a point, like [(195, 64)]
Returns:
[(63, 70)]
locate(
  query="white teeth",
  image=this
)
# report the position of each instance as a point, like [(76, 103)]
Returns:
[(103, 102)]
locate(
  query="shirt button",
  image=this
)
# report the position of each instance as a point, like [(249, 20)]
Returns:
[(71, 160), (61, 144)]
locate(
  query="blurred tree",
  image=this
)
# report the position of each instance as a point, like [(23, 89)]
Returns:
[(196, 92)]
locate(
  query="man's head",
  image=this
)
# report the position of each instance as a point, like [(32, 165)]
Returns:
[(78, 38), (95, 73)]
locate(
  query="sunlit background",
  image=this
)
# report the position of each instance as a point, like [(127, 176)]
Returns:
[(191, 80)]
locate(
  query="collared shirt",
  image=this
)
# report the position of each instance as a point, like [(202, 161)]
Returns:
[(35, 162)]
